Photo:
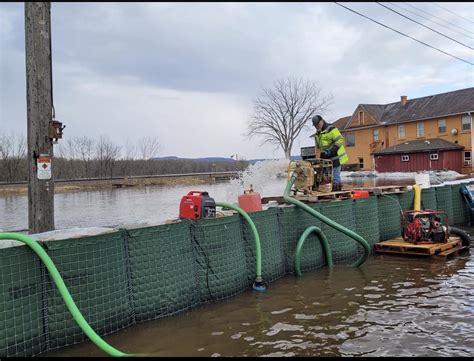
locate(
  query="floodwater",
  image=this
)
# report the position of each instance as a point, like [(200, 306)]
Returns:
[(149, 205), (390, 306)]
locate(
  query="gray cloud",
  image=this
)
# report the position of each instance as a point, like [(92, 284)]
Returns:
[(171, 69)]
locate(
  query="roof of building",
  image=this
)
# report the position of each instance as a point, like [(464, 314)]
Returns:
[(341, 122), (420, 145), (433, 106)]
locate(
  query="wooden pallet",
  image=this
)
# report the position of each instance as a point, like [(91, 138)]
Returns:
[(320, 196), (399, 246), (383, 189), (311, 197), (279, 200)]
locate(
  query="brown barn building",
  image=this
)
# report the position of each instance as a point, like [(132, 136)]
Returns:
[(419, 155), (374, 128)]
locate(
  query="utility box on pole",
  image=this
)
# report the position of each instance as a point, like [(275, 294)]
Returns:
[(39, 113)]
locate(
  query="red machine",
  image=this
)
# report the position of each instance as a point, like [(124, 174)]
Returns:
[(197, 205), (425, 227)]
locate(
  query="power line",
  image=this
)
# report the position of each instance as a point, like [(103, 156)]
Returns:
[(453, 13), (437, 17), (437, 32), (424, 17), (408, 36)]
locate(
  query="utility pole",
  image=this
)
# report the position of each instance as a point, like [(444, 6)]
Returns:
[(39, 114)]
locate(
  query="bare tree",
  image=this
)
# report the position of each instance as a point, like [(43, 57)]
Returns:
[(84, 147), (129, 150), (12, 156), (148, 147), (281, 112), (66, 149), (107, 153)]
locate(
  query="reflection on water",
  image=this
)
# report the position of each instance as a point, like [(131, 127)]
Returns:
[(391, 306), (155, 204)]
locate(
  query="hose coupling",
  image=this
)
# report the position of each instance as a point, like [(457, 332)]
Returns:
[(259, 285)]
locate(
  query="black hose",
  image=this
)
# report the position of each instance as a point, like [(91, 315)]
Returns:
[(465, 237)]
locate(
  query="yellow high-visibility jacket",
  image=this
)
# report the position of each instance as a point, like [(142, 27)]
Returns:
[(330, 140)]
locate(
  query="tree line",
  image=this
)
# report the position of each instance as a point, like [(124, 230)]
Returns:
[(87, 157)]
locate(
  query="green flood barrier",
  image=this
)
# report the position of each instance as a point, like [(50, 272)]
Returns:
[(160, 258), (294, 221), (71, 305), (299, 247), (328, 221), (259, 284)]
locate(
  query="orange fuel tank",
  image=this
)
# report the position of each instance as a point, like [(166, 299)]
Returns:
[(250, 201), (359, 194)]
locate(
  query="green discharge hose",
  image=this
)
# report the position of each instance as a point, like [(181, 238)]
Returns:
[(258, 250), (299, 247), (71, 305), (328, 221)]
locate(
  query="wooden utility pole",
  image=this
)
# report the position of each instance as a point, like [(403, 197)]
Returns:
[(39, 113)]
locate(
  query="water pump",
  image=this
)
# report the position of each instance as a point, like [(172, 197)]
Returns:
[(425, 227)]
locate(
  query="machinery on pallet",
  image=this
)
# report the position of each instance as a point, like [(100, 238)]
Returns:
[(425, 226), (197, 205), (312, 175)]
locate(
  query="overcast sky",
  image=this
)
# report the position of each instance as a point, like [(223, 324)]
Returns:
[(187, 73)]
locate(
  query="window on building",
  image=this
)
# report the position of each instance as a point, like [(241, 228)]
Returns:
[(376, 135), (405, 158), (434, 156), (361, 117), (466, 122), (361, 163), (442, 126), (401, 132), (350, 139), (420, 129), (467, 158)]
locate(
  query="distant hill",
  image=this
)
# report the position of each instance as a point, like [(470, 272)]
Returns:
[(205, 159), (216, 159)]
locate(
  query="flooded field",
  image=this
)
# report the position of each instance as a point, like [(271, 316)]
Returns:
[(152, 204), (390, 306)]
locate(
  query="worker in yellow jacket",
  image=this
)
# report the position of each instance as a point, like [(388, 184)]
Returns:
[(331, 143)]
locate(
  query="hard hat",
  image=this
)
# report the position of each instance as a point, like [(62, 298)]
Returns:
[(316, 119)]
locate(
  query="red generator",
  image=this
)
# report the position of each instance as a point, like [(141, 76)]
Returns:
[(425, 227), (197, 205)]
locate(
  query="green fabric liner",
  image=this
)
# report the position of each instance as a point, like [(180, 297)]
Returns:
[(293, 222), (428, 199), (161, 260), (273, 252), (343, 248), (459, 205), (134, 275), (406, 200), (93, 269), (220, 254), (22, 323), (444, 201), (367, 219), (389, 211)]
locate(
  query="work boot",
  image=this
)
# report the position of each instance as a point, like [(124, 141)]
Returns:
[(337, 187)]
